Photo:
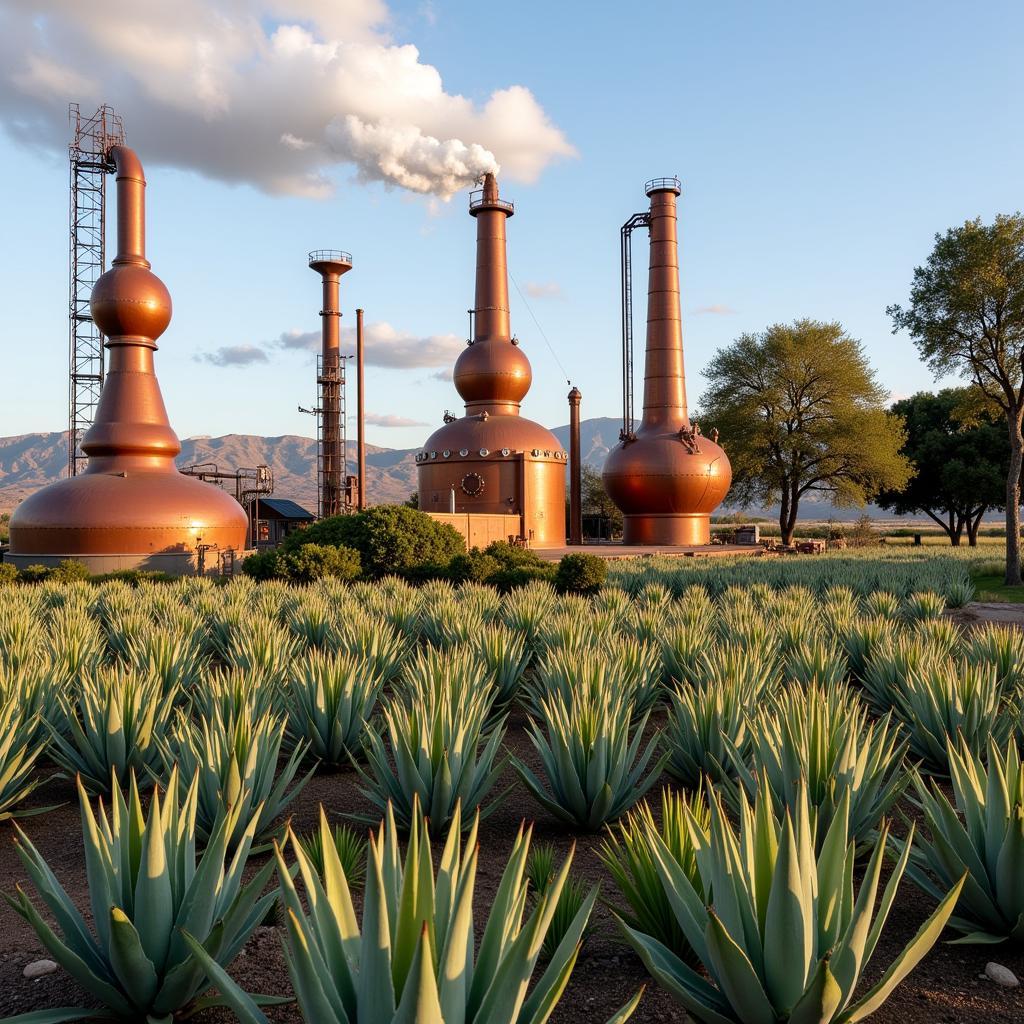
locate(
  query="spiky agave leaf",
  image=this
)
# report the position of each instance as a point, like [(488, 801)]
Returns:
[(416, 956), (980, 832), (147, 888), (781, 931)]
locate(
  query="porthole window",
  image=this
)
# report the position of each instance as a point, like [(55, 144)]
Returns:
[(484, 453), (463, 452), (506, 452), (472, 484), (447, 453), (433, 455)]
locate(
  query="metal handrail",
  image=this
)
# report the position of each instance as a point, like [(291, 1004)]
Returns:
[(661, 184), (330, 256), (476, 199)]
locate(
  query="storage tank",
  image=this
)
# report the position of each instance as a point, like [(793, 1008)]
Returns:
[(492, 461), (667, 477), (130, 507)]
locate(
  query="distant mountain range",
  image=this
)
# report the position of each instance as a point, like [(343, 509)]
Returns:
[(31, 461)]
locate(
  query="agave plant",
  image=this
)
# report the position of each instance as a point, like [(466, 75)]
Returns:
[(980, 833), (815, 663), (682, 647), (821, 741), (527, 609), (541, 871), (948, 699), (349, 845), (176, 659), (924, 605), (591, 756), (780, 930), (885, 673), (19, 751), (312, 620), (1003, 647), (626, 853), (378, 646), (433, 748), (882, 604), (703, 723), (235, 760), (261, 646), (328, 700), (416, 957), (147, 889), (860, 641), (959, 592), (507, 658), (112, 728)]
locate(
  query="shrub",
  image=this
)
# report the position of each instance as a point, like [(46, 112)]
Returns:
[(264, 565), (473, 567), (522, 576), (69, 571), (313, 562), (580, 573), (8, 573), (389, 538)]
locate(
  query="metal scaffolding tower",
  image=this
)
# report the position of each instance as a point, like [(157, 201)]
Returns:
[(638, 220), (93, 137), (330, 395)]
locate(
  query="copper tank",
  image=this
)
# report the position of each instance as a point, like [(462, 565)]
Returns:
[(668, 477), (494, 460), (131, 499)]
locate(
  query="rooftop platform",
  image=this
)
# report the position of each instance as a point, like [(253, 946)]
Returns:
[(612, 552)]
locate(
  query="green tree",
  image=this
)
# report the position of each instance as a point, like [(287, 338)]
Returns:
[(966, 316), (960, 454), (595, 501), (801, 412)]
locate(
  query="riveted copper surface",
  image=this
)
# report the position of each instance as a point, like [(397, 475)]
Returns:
[(670, 477), (520, 463), (131, 499)]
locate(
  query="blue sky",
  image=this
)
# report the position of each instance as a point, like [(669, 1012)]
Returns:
[(820, 147)]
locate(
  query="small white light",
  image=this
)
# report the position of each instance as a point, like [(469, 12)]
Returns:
[(506, 452), (484, 452), (463, 452), (447, 453)]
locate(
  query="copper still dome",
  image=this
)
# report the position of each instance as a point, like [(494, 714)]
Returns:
[(492, 460), (130, 500), (667, 477)]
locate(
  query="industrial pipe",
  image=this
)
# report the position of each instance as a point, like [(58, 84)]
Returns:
[(575, 469), (360, 415)]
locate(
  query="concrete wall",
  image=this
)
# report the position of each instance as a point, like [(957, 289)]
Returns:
[(175, 564), (480, 529)]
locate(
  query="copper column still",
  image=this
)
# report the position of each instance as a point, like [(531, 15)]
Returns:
[(668, 478), (495, 461), (131, 499), (330, 264), (575, 469), (360, 415)]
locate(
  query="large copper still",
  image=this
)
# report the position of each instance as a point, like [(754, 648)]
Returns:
[(130, 500), (492, 460), (668, 477)]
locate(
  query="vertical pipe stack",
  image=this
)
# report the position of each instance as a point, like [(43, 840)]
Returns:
[(575, 469), (330, 264), (360, 415)]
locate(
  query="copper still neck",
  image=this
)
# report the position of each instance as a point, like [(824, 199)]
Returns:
[(491, 319), (664, 380), (130, 305)]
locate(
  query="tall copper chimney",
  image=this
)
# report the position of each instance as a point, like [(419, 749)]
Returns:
[(131, 507), (360, 415), (330, 264), (575, 469), (669, 477)]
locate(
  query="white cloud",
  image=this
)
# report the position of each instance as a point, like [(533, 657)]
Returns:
[(386, 346), (233, 355), (720, 309), (376, 419), (544, 290), (273, 93)]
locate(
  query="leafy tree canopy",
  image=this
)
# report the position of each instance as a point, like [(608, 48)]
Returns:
[(800, 411)]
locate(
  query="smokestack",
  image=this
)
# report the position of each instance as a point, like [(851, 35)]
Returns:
[(360, 415), (330, 264), (575, 470)]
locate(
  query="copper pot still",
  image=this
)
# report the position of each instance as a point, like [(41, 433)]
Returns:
[(667, 477), (130, 500), (493, 460)]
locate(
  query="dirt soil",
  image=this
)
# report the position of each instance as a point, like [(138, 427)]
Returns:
[(945, 988)]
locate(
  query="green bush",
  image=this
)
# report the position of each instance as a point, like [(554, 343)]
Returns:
[(315, 561), (264, 565), (69, 571), (520, 576), (35, 573), (8, 573), (389, 538), (474, 567), (580, 573)]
